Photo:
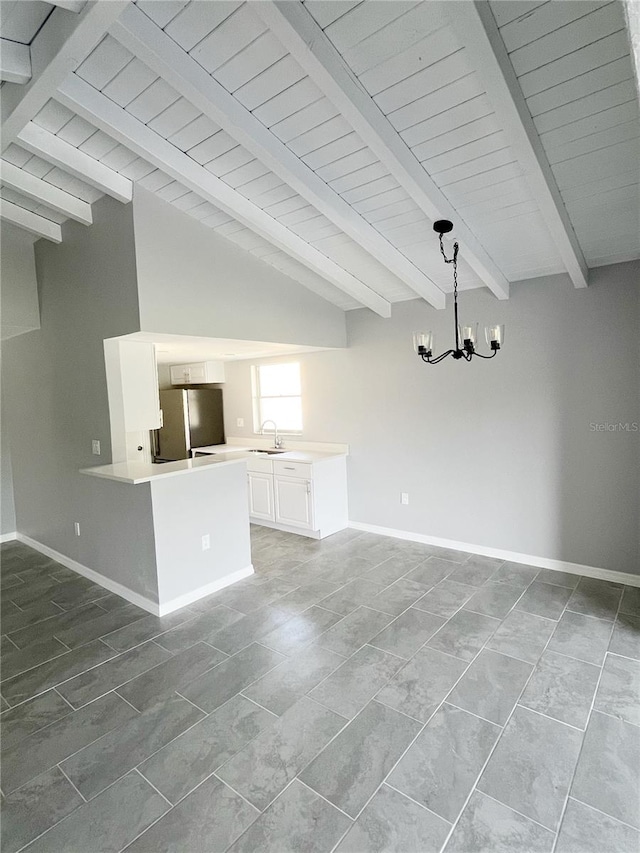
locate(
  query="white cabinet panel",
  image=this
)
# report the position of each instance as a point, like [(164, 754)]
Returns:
[(261, 496), (299, 497), (199, 373), (293, 502)]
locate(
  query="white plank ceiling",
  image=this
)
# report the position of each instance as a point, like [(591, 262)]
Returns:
[(205, 104)]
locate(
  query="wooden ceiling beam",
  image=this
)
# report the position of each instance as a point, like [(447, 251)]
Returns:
[(478, 31), (298, 31), (145, 40), (96, 108)]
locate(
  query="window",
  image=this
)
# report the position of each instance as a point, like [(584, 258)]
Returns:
[(276, 397)]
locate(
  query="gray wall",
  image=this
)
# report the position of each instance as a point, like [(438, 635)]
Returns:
[(18, 280), (193, 282), (501, 453), (56, 401), (7, 506), (214, 502)]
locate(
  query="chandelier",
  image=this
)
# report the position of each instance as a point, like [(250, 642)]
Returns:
[(466, 336)]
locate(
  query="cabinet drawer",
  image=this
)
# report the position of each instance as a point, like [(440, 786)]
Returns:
[(283, 468), (261, 465)]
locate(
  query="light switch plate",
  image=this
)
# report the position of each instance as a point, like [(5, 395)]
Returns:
[(95, 447), (240, 422)]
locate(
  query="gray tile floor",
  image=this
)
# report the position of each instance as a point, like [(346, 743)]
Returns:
[(356, 694)]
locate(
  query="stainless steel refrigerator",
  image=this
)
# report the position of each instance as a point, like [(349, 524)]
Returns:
[(190, 418)]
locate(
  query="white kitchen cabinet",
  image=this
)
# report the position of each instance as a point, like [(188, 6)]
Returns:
[(299, 497), (294, 503), (198, 373), (261, 504)]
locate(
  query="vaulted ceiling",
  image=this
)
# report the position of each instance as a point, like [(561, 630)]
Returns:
[(326, 136)]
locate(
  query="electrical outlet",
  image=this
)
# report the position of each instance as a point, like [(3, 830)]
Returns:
[(76, 528), (240, 422), (404, 498), (206, 542), (95, 447)]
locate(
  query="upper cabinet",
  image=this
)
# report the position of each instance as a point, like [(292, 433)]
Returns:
[(198, 373)]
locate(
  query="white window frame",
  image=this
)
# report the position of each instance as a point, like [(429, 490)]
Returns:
[(258, 397)]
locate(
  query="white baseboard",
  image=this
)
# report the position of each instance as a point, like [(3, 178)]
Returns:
[(96, 577), (203, 591), (500, 554), (157, 609), (285, 528), (8, 537)]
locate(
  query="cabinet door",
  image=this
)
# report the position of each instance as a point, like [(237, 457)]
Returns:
[(261, 496), (180, 374), (294, 503)]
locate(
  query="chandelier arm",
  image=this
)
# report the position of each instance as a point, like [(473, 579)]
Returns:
[(479, 354), (438, 358)]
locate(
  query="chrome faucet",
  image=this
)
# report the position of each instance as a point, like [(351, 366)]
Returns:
[(277, 441)]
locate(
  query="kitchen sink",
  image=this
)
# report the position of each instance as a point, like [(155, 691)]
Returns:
[(268, 452)]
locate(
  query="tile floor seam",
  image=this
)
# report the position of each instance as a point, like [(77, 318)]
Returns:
[(417, 802), (110, 785), (522, 814), (263, 811), (580, 613), (104, 637), (204, 642), (473, 714), (613, 717), (413, 740), (36, 665), (255, 702), (586, 726), (142, 776), (313, 758), (403, 713), (618, 655), (572, 657), (228, 658), (65, 645), (70, 781), (403, 663), (67, 757), (604, 814), (135, 766), (422, 728), (509, 655), (346, 660), (324, 708), (220, 779), (206, 713), (60, 683), (11, 641), (213, 772), (140, 834), (393, 654), (313, 791), (66, 701), (474, 787), (115, 690)]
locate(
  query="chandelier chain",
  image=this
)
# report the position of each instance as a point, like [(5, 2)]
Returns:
[(453, 260)]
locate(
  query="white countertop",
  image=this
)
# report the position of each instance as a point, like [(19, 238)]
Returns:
[(219, 454), (144, 472), (235, 451)]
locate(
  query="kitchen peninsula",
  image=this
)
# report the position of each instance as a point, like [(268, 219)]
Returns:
[(197, 511)]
